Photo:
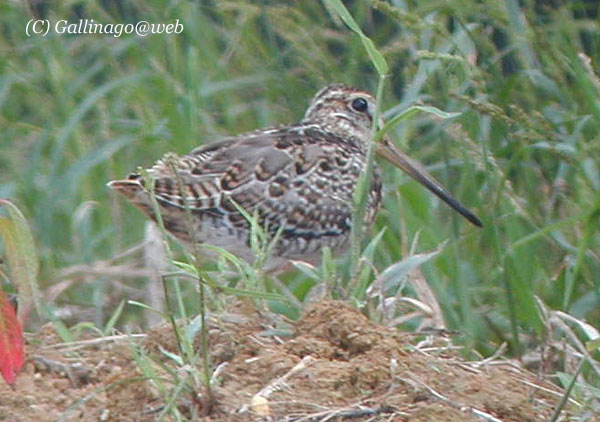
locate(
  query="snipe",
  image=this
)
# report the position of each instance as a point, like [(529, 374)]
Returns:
[(298, 179)]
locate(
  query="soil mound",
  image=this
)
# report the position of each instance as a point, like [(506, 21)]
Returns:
[(333, 364)]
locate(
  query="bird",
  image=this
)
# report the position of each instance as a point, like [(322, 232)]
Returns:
[(297, 180)]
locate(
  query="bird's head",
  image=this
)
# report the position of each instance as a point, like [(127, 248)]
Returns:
[(343, 111), (349, 113)]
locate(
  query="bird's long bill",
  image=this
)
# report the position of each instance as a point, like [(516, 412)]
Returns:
[(414, 169)]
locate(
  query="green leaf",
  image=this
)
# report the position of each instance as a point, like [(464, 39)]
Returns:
[(590, 169), (178, 360), (193, 328), (113, 319), (255, 294), (22, 259), (147, 307), (376, 57), (410, 112), (307, 269), (365, 273), (187, 268), (369, 250), (593, 345), (393, 275)]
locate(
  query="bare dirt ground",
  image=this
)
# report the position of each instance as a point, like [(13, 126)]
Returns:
[(336, 366)]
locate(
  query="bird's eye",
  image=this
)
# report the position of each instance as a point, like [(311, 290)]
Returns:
[(360, 104)]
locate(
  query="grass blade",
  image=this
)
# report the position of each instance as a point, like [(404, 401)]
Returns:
[(376, 57)]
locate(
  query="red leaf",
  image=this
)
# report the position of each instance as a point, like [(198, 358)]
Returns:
[(12, 351)]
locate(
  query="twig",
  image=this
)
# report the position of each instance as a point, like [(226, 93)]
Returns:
[(347, 413), (547, 390), (495, 356), (92, 342), (280, 382), (259, 403)]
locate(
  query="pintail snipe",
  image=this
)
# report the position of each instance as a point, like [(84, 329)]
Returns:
[(298, 180)]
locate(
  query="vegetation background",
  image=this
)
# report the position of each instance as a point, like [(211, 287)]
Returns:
[(79, 110)]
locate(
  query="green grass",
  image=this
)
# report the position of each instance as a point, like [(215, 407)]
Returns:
[(79, 110)]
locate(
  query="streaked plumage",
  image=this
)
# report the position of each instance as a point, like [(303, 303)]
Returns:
[(299, 179)]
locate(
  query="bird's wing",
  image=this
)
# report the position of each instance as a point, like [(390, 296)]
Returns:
[(296, 178)]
